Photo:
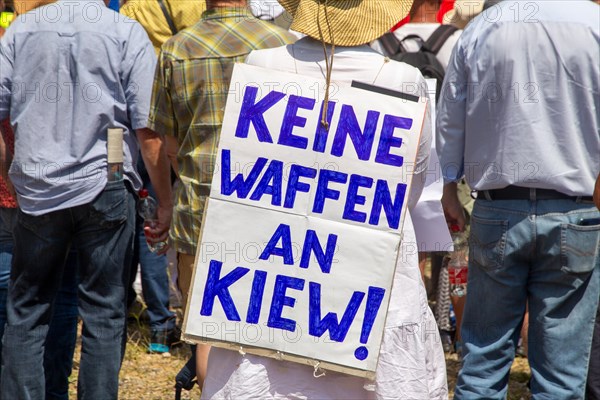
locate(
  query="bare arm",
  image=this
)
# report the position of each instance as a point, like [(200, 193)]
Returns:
[(172, 149), (155, 158), (453, 209)]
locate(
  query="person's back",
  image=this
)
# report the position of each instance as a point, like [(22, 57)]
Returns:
[(234, 375), (543, 98), (190, 90), (408, 302), (519, 116), (64, 83)]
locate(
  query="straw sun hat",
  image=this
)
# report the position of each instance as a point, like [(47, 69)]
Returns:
[(349, 22)]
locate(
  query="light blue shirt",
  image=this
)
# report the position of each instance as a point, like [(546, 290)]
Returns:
[(69, 71), (521, 98)]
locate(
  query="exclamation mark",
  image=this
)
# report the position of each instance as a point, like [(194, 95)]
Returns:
[(374, 299)]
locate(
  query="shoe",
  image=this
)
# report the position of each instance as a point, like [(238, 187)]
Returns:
[(161, 341), (158, 342)]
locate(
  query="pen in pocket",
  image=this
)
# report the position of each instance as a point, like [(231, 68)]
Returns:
[(589, 221)]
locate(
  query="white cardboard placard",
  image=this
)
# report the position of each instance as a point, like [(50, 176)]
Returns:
[(302, 228)]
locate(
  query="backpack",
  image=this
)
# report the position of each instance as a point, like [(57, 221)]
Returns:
[(426, 58)]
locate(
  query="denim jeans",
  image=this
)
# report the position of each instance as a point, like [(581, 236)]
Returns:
[(155, 282), (62, 335), (102, 232), (592, 391), (536, 253), (7, 222)]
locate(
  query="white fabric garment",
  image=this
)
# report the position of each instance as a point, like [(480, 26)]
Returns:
[(411, 360)]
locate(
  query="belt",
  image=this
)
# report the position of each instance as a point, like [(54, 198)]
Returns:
[(523, 193)]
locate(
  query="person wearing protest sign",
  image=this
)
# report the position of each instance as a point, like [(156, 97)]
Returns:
[(409, 366), (526, 138), (190, 89), (94, 77)]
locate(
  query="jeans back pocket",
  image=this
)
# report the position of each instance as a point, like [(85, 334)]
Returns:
[(109, 209), (487, 242), (579, 248)]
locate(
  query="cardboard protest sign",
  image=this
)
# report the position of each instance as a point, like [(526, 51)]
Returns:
[(302, 228)]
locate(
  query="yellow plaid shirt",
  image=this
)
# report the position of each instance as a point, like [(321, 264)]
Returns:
[(188, 101)]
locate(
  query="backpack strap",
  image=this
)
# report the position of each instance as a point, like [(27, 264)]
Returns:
[(438, 38), (416, 38), (172, 26), (390, 43)]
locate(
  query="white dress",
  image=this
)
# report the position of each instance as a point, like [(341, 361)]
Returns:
[(411, 361)]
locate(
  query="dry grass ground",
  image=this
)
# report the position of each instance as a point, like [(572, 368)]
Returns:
[(151, 376)]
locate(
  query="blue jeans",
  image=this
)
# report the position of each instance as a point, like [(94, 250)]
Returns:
[(592, 391), (155, 282), (62, 335), (102, 233), (527, 252)]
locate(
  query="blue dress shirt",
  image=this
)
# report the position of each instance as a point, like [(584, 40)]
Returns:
[(69, 71), (521, 98)]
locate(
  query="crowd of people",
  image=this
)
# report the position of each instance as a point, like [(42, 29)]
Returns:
[(517, 128)]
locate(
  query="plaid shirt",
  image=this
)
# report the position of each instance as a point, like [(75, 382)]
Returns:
[(188, 101)]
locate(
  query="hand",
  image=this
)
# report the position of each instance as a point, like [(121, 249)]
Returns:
[(158, 231), (453, 209)]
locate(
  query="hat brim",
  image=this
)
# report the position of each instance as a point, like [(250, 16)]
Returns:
[(345, 22)]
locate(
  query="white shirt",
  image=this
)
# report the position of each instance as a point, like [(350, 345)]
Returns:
[(411, 362), (521, 100)]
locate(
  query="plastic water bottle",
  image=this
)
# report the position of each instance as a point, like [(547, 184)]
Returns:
[(147, 208), (458, 265)]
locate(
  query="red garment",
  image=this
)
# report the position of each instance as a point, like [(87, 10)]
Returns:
[(446, 6), (403, 21), (6, 200)]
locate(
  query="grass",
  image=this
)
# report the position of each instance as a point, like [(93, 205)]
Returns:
[(151, 376), (147, 376)]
